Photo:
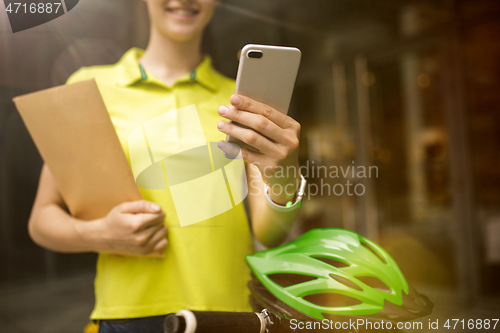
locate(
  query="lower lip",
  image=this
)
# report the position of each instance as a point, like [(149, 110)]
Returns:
[(181, 16)]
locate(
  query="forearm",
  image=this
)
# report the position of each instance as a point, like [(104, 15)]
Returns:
[(54, 229), (131, 228), (271, 226)]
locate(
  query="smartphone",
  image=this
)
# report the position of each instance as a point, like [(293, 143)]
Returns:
[(267, 74)]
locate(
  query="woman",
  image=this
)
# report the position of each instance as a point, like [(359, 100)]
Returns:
[(139, 276)]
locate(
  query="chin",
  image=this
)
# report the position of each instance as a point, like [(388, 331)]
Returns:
[(182, 35)]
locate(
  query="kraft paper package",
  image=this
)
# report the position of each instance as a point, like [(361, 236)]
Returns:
[(74, 134)]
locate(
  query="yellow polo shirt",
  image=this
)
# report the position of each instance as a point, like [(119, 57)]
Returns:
[(168, 134)]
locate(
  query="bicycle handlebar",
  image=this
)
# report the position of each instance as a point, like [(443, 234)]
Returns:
[(186, 321)]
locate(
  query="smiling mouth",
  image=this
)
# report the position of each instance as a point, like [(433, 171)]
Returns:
[(183, 11)]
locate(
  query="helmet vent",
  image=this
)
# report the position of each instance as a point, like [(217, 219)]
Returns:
[(346, 282), (333, 262), (369, 248), (374, 283), (287, 280), (332, 300)]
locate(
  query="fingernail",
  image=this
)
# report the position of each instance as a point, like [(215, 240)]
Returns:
[(235, 100), (155, 207), (220, 124), (221, 145), (223, 110)]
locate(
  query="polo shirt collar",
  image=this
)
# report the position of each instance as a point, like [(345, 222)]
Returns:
[(204, 74), (131, 72), (128, 67)]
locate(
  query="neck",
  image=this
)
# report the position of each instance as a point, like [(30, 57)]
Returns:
[(168, 59)]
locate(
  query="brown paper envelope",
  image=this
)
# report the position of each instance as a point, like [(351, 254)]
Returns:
[(74, 134)]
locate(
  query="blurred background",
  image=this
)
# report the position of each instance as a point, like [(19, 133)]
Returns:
[(409, 88)]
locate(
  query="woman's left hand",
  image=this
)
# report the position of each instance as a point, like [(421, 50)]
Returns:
[(276, 136)]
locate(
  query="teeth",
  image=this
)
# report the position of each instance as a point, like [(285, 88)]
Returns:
[(183, 12)]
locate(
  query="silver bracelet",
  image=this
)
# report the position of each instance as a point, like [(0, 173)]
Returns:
[(290, 206)]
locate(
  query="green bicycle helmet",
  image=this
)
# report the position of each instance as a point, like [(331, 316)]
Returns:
[(334, 274)]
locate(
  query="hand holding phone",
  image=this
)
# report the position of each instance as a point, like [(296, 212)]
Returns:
[(268, 137), (267, 75)]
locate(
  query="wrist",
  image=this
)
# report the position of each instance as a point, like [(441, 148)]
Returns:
[(283, 190), (291, 204), (89, 234), (281, 194)]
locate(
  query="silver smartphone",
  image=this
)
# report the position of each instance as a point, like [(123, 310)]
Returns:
[(267, 74)]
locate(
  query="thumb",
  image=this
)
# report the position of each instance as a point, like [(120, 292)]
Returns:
[(140, 206)]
